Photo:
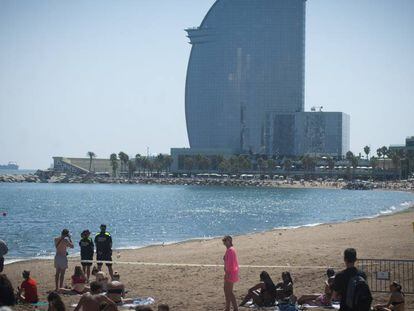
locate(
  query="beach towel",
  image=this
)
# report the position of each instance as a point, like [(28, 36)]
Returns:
[(335, 306), (40, 305), (145, 301), (138, 302), (251, 305)]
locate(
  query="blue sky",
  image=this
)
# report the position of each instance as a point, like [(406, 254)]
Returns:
[(108, 76)]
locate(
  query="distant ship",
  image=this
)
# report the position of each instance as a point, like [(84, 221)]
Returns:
[(10, 166)]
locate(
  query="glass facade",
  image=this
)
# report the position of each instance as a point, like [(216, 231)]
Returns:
[(246, 66), (322, 133)]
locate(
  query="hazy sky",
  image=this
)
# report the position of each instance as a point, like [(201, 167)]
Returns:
[(108, 76)]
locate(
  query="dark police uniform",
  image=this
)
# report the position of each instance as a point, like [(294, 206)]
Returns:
[(103, 242), (86, 247)]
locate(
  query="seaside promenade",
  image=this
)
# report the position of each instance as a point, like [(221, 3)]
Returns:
[(200, 288)]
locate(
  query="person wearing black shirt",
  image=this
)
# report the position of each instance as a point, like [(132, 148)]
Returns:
[(103, 242), (340, 284), (87, 248)]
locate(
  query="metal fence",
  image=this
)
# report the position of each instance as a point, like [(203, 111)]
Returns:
[(381, 272)]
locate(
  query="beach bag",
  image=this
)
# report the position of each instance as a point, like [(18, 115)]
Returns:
[(358, 295)]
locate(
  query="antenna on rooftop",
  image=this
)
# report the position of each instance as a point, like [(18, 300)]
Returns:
[(319, 108)]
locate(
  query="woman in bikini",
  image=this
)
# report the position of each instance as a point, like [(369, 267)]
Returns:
[(78, 283), (324, 299), (263, 293), (396, 301)]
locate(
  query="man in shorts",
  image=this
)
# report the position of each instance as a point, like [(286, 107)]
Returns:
[(103, 243), (62, 243)]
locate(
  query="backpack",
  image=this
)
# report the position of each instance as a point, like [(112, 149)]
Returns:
[(358, 295)]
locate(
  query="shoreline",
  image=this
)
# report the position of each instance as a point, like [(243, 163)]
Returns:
[(304, 251), (284, 182), (76, 256)]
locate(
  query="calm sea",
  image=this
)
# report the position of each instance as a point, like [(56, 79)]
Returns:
[(139, 215)]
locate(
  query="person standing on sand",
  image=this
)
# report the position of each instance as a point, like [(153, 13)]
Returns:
[(3, 251), (103, 242), (87, 249), (62, 243), (231, 273)]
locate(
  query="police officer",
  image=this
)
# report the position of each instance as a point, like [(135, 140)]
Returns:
[(103, 242), (86, 248)]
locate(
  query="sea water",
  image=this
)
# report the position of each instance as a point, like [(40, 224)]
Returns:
[(140, 215)]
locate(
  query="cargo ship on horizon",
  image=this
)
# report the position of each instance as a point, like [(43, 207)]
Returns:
[(9, 166)]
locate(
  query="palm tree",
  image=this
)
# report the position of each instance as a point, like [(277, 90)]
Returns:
[(367, 150), (188, 164), (331, 164), (384, 151), (396, 161), (271, 165), (244, 163), (91, 155), (224, 166), (287, 166), (114, 163), (124, 160), (131, 168), (138, 162), (168, 161), (354, 163)]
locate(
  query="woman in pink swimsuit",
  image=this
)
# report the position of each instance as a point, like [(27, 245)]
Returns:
[(231, 273)]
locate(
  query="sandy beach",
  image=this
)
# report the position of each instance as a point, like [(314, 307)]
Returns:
[(200, 288)]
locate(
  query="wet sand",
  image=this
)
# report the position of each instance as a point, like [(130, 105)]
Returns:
[(200, 288)]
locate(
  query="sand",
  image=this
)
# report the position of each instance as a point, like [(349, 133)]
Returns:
[(200, 288)]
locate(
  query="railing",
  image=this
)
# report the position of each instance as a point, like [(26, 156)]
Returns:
[(382, 272)]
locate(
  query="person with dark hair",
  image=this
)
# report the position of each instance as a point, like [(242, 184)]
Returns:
[(87, 249), (324, 299), (62, 243), (103, 242), (78, 283), (231, 272), (396, 301), (7, 297), (3, 251), (263, 293), (55, 302), (342, 280), (29, 288), (95, 301), (163, 307), (284, 289)]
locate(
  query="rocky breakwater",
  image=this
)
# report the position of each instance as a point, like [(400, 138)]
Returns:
[(29, 178)]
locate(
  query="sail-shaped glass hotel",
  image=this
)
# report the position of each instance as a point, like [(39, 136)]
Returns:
[(247, 63), (245, 84)]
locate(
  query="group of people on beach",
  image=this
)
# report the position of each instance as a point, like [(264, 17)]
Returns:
[(347, 288)]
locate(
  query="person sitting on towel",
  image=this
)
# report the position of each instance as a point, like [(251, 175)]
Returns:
[(284, 289), (95, 301), (321, 299), (116, 290), (263, 293)]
